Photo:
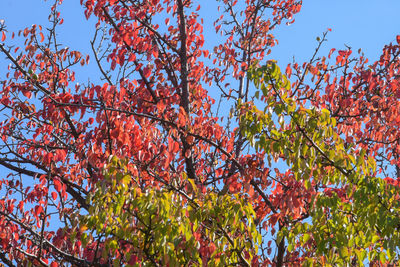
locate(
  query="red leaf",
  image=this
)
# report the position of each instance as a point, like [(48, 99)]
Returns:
[(57, 185), (331, 52), (175, 147), (288, 71), (38, 210), (146, 72), (48, 158), (54, 195), (3, 38), (27, 93), (41, 37)]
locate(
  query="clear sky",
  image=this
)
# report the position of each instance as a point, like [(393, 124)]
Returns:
[(366, 24)]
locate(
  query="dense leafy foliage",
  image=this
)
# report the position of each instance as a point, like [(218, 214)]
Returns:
[(355, 215), (168, 226), (136, 164)]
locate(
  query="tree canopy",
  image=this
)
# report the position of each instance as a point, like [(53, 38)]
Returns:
[(177, 155)]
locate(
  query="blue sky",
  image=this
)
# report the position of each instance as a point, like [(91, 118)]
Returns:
[(366, 24)]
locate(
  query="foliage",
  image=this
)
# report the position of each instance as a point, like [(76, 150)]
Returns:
[(168, 227), (123, 157), (351, 222)]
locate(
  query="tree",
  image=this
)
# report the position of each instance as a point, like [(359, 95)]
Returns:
[(138, 167)]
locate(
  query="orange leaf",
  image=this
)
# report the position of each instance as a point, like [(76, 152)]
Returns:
[(3, 38)]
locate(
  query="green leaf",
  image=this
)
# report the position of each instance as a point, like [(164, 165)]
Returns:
[(374, 239)]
